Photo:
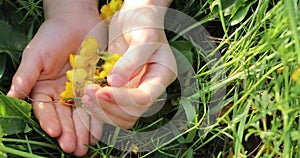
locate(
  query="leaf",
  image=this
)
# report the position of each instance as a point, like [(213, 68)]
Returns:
[(240, 13), (12, 42), (189, 110), (3, 60), (191, 135), (189, 153), (182, 61), (12, 114), (227, 6), (185, 48)]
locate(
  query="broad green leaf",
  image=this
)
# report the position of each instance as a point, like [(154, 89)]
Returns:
[(12, 114), (3, 60), (12, 41), (185, 48), (189, 153), (240, 13), (182, 61), (191, 135), (227, 6), (1, 1)]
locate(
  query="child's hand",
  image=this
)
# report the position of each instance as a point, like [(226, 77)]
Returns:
[(45, 61), (147, 59)]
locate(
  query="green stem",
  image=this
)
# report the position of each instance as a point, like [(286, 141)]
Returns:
[(289, 7), (28, 141), (18, 152), (222, 18)]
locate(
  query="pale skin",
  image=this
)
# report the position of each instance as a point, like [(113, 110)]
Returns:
[(67, 23)]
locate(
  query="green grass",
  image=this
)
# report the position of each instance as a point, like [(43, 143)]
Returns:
[(260, 49)]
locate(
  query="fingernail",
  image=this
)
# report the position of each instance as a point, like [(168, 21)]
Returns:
[(115, 80)]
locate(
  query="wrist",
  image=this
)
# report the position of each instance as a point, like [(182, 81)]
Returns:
[(53, 8)]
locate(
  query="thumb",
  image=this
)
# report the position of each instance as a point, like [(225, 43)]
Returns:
[(26, 75)]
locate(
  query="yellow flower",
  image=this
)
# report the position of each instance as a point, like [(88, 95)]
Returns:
[(83, 67), (296, 75), (67, 93), (85, 70), (108, 10)]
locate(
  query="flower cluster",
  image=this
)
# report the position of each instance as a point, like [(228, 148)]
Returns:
[(86, 69), (108, 10), (83, 67)]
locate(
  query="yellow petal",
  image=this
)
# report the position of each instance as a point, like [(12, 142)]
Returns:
[(89, 47), (79, 75), (106, 12), (69, 75), (117, 56), (80, 61), (67, 93), (115, 5), (107, 66), (102, 74), (71, 59)]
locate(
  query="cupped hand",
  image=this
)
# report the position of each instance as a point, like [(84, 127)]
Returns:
[(141, 75), (41, 75)]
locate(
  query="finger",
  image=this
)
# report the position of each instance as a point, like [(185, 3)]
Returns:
[(97, 96), (67, 139), (81, 122), (161, 72), (23, 81), (44, 109), (104, 116), (135, 57), (127, 103), (95, 131)]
